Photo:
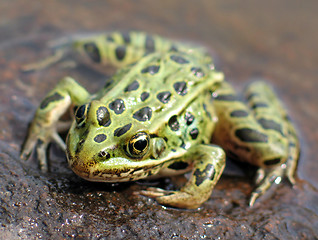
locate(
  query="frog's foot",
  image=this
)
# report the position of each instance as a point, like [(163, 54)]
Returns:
[(38, 139), (57, 56), (207, 170), (179, 199), (265, 179)]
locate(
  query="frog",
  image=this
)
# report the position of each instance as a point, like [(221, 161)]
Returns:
[(167, 111)]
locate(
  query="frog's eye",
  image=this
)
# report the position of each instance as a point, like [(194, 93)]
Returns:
[(80, 114), (138, 145)]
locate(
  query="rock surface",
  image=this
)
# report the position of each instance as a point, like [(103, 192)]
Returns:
[(272, 39)]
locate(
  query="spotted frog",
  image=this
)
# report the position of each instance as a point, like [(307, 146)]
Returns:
[(156, 117)]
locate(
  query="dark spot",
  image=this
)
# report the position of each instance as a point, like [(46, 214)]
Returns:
[(239, 113), (153, 69), (122, 130), (173, 48), (173, 150), (80, 144), (92, 51), (228, 97), (206, 111), (120, 52), (80, 115), (132, 87), (287, 118), (104, 154), (143, 114), (181, 88), (75, 109), (251, 95), (272, 161), (117, 106), (178, 165), (164, 97), (270, 124), (39, 142), (100, 138), (250, 135), (80, 112), (103, 116), (207, 173), (183, 145), (144, 96), (149, 44), (189, 118), (126, 37), (178, 59), (153, 135), (108, 82), (194, 133), (173, 123), (259, 105), (198, 72), (110, 39), (46, 101)]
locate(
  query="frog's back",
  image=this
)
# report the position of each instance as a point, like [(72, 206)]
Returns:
[(158, 86)]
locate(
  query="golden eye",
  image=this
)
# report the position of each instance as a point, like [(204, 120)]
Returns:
[(138, 145)]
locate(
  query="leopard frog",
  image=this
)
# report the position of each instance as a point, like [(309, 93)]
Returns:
[(156, 117)]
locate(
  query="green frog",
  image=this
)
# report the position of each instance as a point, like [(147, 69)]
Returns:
[(158, 115)]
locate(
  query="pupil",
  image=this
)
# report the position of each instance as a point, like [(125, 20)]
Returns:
[(140, 145)]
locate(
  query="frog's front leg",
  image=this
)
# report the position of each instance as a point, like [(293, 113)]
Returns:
[(209, 162), (44, 126)]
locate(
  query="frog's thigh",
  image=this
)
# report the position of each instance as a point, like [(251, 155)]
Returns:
[(256, 135), (209, 162), (275, 121), (261, 135)]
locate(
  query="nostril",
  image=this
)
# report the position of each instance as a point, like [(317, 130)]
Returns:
[(104, 154)]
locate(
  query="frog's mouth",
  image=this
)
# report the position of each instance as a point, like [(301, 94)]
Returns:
[(114, 170)]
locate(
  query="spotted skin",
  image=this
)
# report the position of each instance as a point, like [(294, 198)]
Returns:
[(156, 117)]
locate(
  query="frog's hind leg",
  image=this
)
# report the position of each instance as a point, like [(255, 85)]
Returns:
[(115, 48), (123, 48), (260, 134), (259, 92)]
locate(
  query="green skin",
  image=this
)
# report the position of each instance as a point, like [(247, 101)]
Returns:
[(156, 117)]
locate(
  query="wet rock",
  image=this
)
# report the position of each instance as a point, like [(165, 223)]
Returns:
[(59, 205)]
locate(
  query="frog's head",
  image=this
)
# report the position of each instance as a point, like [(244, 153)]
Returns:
[(109, 147)]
